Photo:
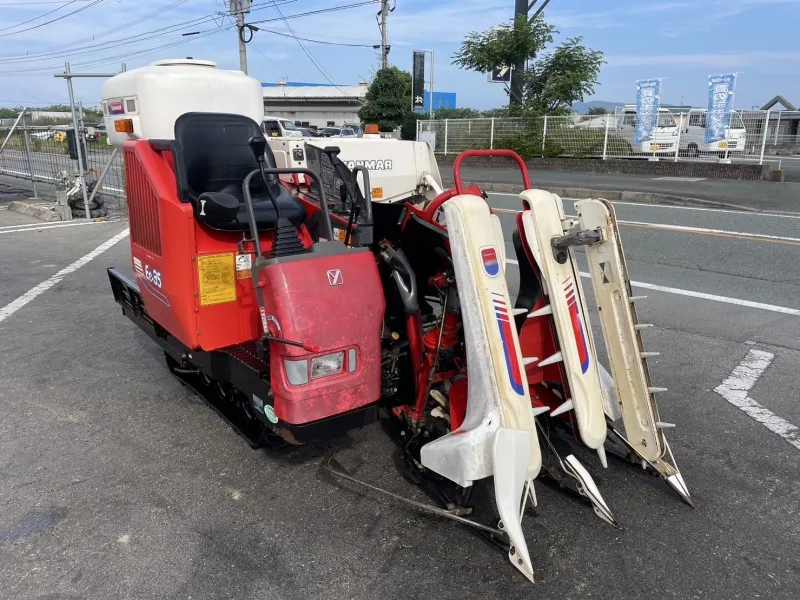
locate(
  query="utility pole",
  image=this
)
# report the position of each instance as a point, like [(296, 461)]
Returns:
[(240, 8), (520, 9), (385, 47)]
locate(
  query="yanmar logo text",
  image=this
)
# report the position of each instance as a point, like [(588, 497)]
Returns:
[(370, 165)]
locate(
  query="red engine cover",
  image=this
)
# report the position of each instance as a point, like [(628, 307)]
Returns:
[(331, 298)]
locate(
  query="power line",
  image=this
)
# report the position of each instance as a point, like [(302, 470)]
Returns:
[(316, 12), (319, 67), (36, 3), (371, 46), (93, 49), (53, 53), (37, 17), (94, 3), (63, 50), (108, 59), (164, 31)]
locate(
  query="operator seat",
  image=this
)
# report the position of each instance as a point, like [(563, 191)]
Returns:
[(214, 156)]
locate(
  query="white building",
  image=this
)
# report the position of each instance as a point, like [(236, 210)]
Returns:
[(312, 104)]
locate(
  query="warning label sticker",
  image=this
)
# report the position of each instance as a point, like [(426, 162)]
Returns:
[(216, 278), (339, 234), (244, 264), (608, 274)]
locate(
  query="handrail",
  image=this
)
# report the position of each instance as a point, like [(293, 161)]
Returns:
[(526, 181)]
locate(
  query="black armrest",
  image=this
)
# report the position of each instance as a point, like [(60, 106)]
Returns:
[(163, 145), (217, 208), (181, 178)]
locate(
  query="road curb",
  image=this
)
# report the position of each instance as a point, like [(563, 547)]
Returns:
[(42, 213), (614, 195)]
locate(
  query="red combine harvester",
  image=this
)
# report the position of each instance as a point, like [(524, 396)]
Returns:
[(300, 309)]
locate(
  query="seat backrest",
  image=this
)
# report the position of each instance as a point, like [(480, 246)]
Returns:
[(214, 154)]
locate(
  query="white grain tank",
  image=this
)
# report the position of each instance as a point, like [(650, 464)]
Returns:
[(144, 103)]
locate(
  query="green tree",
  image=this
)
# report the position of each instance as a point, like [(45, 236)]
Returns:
[(597, 110), (502, 111), (457, 113), (388, 99), (550, 82), (408, 130), (9, 113)]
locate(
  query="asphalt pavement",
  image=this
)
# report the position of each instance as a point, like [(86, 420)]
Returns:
[(757, 195), (116, 482)]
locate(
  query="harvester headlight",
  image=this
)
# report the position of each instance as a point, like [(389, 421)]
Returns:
[(330, 364), (296, 371)]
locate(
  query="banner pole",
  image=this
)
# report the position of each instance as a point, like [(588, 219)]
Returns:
[(430, 108), (730, 116)]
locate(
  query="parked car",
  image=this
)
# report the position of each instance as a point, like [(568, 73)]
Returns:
[(43, 135), (338, 132), (331, 132), (308, 132), (356, 127), (95, 132), (277, 127)]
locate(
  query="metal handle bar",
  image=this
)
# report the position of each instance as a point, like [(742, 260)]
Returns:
[(526, 181)]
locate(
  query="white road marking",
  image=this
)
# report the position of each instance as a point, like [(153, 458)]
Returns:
[(13, 306), (719, 210), (714, 298), (703, 296), (685, 228), (737, 386), (669, 206), (705, 230), (38, 226), (687, 179)]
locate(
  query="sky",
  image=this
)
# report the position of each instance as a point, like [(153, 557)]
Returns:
[(682, 41)]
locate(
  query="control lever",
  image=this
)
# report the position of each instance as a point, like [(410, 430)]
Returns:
[(304, 345), (258, 146), (582, 237), (332, 153), (403, 276)]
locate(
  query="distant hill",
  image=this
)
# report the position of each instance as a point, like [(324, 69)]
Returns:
[(583, 107)]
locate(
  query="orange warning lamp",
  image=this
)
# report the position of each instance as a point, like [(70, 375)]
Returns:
[(123, 126), (371, 128)]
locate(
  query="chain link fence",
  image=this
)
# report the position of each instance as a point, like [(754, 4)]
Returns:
[(46, 156), (679, 135)]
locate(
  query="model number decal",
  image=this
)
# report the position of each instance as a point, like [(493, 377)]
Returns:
[(152, 279), (153, 276)]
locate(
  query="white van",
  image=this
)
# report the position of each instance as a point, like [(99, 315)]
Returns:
[(693, 134), (665, 134), (623, 125), (277, 127)]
